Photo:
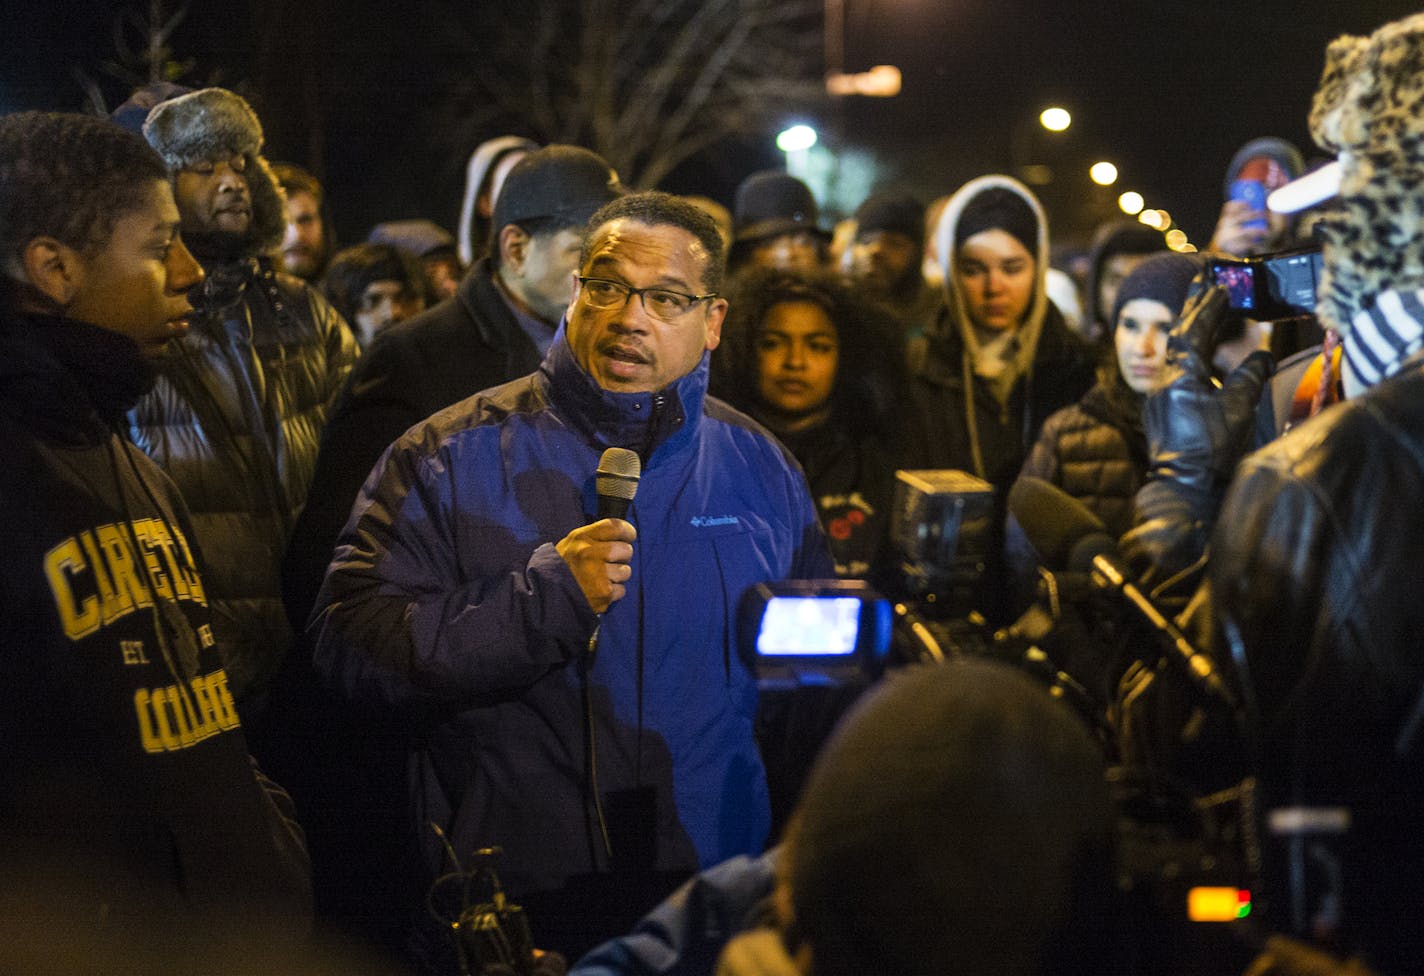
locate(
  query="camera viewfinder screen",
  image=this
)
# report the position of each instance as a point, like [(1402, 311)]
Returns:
[(1292, 279), (794, 625), (1239, 281)]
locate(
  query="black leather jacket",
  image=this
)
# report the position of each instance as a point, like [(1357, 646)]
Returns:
[(236, 419), (1316, 568)]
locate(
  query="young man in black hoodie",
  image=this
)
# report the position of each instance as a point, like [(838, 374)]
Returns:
[(127, 799)]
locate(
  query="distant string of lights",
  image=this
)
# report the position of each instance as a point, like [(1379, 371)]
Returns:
[(1132, 203)]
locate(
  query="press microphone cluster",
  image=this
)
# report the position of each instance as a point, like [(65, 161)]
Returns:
[(616, 481), (1067, 536)]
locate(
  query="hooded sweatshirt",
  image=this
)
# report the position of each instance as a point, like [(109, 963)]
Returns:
[(123, 769), (977, 408)]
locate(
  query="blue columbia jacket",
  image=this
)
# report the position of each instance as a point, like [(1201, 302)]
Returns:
[(447, 596)]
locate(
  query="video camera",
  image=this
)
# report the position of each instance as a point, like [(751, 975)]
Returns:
[(1270, 287)]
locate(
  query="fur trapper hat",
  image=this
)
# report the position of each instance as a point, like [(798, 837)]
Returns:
[(1369, 109), (211, 123)]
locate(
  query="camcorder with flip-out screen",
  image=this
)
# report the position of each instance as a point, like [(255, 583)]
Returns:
[(1271, 287)]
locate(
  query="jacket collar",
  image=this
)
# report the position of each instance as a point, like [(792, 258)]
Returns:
[(486, 307), (69, 380), (651, 424)]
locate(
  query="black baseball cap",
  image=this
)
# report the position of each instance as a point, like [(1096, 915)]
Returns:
[(567, 183)]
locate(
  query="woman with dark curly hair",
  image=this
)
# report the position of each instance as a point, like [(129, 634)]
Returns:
[(821, 367)]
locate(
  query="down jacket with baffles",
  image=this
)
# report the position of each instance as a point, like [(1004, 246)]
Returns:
[(447, 596), (236, 419), (1096, 451)]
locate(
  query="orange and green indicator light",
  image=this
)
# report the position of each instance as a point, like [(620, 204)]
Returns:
[(1218, 904)]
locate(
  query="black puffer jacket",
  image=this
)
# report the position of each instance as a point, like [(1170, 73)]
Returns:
[(236, 419), (1096, 451)]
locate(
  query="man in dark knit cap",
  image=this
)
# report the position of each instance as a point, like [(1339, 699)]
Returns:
[(497, 327), (887, 254)]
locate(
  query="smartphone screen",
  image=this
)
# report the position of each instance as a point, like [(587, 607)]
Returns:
[(796, 625)]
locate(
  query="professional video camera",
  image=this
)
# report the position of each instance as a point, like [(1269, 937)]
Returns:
[(1188, 856)]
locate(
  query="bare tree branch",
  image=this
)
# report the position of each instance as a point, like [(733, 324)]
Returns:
[(648, 84)]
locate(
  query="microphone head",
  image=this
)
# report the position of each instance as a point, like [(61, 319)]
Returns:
[(1088, 548), (1054, 521), (618, 473)]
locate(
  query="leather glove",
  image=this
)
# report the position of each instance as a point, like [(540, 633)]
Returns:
[(1197, 431)]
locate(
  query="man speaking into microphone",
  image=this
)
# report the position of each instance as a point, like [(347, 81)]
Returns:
[(574, 684)]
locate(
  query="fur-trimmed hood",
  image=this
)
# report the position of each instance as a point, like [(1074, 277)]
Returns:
[(211, 123)]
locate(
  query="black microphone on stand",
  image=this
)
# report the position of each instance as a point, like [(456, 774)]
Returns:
[(616, 481), (1069, 536)]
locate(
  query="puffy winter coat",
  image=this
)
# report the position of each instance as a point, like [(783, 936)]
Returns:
[(1096, 451), (236, 419), (447, 595)]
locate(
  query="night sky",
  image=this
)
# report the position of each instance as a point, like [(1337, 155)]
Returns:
[(1167, 91)]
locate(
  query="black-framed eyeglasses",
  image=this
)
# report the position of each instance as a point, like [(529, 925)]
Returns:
[(661, 303)]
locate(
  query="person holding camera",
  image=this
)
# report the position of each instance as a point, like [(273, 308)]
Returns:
[(1316, 553)]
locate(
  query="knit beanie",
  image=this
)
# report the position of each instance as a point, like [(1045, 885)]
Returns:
[(1268, 148), (559, 182), (998, 208), (895, 212), (1164, 278), (770, 203), (958, 821)]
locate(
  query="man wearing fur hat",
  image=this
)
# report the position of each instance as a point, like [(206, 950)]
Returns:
[(238, 410), (1317, 557)]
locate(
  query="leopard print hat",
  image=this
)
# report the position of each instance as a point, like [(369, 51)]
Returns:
[(1369, 110)]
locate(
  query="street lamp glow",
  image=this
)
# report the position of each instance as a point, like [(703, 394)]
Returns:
[(1176, 238), (1055, 119), (1103, 174), (1131, 202), (1152, 218), (798, 138)]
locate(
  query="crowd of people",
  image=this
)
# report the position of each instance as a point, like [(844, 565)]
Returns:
[(453, 534)]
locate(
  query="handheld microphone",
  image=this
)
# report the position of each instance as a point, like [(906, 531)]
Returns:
[(1069, 536), (616, 481)]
